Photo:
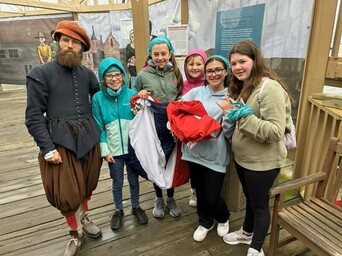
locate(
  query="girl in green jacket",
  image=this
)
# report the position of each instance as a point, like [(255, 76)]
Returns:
[(161, 79)]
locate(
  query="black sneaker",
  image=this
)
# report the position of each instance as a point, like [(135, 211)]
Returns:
[(140, 214), (116, 221)]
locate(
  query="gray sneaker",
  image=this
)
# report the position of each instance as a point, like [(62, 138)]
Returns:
[(158, 210), (175, 211), (237, 237)]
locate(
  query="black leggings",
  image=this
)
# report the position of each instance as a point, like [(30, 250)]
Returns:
[(210, 204), (255, 185), (159, 192)]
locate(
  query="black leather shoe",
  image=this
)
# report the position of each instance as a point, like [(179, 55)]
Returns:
[(140, 214), (116, 221)]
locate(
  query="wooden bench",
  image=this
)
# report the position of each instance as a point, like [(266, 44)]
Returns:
[(316, 222)]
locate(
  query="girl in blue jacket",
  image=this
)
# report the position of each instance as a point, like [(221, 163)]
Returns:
[(112, 113)]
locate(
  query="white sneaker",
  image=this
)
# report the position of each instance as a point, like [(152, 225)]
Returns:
[(237, 237), (201, 232), (253, 252), (193, 198), (223, 228)]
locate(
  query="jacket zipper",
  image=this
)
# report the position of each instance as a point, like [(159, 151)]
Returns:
[(120, 128)]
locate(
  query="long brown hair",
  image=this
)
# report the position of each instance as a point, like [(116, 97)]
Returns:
[(259, 70)]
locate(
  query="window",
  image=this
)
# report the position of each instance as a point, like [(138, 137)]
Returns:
[(13, 53), (2, 54)]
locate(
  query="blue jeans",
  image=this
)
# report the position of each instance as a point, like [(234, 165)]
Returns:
[(116, 172)]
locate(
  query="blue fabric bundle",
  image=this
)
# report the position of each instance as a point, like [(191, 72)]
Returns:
[(241, 111)]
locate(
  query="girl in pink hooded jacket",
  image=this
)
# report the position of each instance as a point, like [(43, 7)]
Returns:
[(194, 69), (194, 74)]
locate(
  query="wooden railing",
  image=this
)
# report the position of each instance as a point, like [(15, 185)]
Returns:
[(324, 123)]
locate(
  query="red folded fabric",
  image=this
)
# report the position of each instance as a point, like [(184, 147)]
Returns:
[(190, 122)]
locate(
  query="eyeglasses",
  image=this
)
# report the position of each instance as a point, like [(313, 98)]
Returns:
[(111, 76), (217, 71)]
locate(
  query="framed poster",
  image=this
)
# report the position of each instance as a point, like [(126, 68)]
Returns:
[(179, 37)]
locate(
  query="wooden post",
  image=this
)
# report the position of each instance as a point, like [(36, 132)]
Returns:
[(184, 12), (232, 190), (141, 30), (75, 14), (338, 33), (322, 24)]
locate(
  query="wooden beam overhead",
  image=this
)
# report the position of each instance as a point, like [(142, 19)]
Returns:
[(30, 13), (77, 6), (10, 14), (38, 4), (104, 8)]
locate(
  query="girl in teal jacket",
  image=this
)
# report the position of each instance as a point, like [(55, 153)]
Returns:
[(112, 113)]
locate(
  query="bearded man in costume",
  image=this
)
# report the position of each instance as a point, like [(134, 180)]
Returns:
[(59, 119)]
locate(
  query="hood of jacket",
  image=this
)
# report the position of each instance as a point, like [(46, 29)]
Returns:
[(104, 66), (204, 57)]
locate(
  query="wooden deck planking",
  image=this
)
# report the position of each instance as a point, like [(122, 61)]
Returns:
[(30, 226)]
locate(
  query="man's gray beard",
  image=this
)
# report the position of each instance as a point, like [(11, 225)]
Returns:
[(70, 59)]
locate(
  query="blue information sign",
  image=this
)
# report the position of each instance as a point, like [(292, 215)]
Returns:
[(238, 24)]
